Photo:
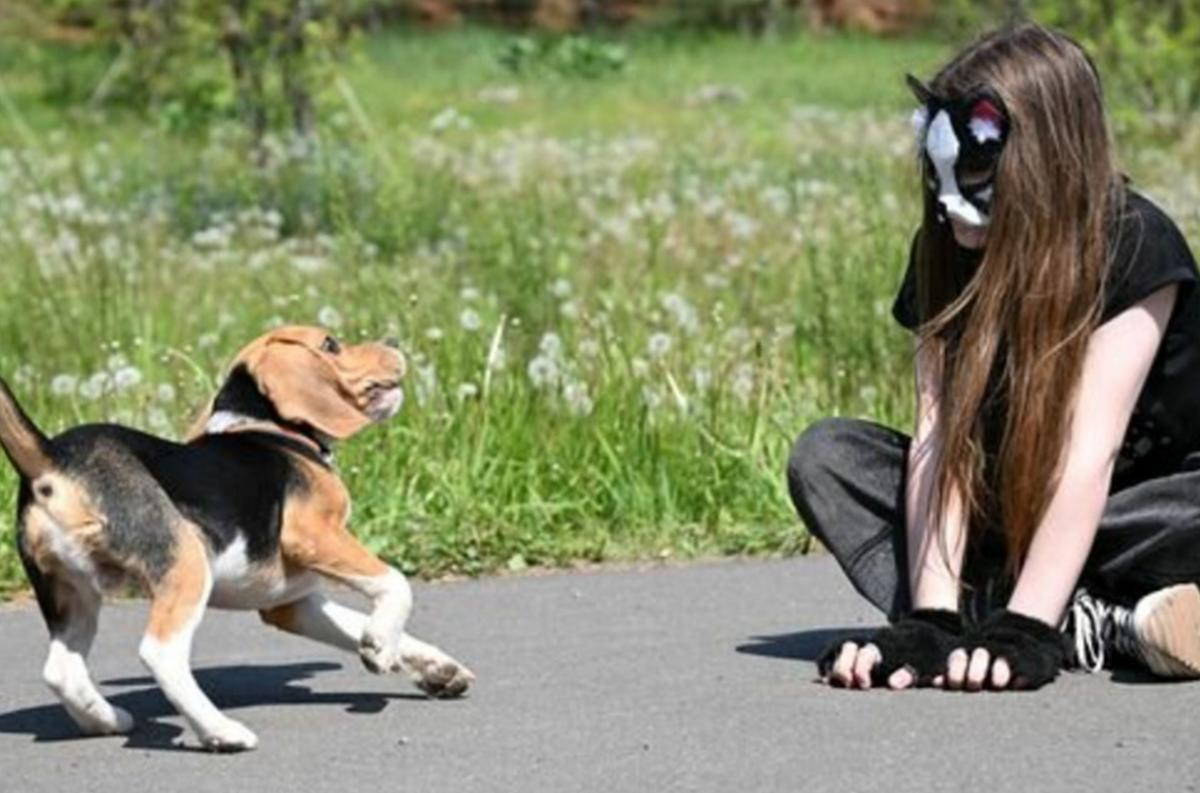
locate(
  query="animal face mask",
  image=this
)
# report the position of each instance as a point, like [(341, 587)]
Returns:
[(960, 141)]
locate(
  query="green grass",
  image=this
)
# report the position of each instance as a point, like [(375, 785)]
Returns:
[(689, 282)]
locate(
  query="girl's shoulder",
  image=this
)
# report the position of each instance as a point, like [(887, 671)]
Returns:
[(1139, 213), (1147, 251)]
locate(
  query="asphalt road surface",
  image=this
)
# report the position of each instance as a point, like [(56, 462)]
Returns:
[(684, 678)]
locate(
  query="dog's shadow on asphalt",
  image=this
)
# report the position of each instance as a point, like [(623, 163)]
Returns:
[(800, 646), (229, 687)]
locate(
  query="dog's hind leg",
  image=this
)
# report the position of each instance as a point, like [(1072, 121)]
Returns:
[(71, 611), (66, 669), (179, 599), (321, 619)]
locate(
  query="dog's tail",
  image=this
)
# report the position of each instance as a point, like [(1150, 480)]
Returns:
[(26, 445)]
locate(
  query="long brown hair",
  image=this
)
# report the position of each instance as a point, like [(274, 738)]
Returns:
[(1017, 330)]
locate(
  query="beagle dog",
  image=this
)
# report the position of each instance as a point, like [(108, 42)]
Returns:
[(249, 513)]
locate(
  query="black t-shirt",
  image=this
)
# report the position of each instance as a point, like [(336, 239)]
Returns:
[(1151, 253)]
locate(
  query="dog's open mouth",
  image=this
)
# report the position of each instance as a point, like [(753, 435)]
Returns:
[(384, 400)]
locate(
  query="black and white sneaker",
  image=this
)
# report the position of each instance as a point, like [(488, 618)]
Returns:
[(1162, 631)]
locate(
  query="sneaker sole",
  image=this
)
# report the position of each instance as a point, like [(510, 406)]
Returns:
[(1168, 623)]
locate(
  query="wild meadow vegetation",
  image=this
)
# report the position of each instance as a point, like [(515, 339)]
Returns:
[(622, 292)]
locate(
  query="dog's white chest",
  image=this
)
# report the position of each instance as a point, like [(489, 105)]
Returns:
[(239, 583)]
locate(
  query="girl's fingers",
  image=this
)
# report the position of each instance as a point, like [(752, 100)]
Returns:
[(843, 667), (901, 679), (1001, 674), (939, 681), (977, 672), (956, 669), (868, 656)]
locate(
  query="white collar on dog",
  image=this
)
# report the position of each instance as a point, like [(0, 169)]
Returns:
[(223, 421)]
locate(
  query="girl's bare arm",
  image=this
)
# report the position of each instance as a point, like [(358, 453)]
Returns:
[(1115, 367), (934, 557)]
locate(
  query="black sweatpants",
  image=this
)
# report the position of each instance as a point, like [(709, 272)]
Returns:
[(847, 479)]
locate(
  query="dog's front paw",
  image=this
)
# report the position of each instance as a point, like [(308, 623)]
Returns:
[(229, 736), (378, 655), (106, 720), (122, 722), (441, 676)]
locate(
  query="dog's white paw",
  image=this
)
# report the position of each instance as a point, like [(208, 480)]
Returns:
[(229, 736), (439, 675), (111, 720), (378, 655), (122, 721)]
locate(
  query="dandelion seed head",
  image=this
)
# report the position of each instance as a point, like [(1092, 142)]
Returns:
[(63, 385), (543, 371), (126, 377), (470, 320), (577, 399), (329, 317), (551, 345), (658, 345)]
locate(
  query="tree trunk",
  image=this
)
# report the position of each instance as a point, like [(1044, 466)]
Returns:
[(294, 72), (247, 77)]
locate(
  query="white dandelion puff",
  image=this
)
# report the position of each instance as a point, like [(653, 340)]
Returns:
[(577, 399), (658, 345), (543, 371), (157, 419), (589, 348), (95, 386), (330, 317), (470, 320), (681, 312), (551, 345), (126, 377), (63, 384)]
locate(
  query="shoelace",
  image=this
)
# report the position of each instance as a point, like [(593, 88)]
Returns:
[(1099, 627)]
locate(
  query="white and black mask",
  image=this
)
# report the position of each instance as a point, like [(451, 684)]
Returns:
[(960, 138)]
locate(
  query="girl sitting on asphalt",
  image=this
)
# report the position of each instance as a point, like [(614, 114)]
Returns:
[(1046, 512)]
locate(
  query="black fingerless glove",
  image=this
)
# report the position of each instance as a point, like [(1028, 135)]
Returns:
[(920, 641), (1034, 650)]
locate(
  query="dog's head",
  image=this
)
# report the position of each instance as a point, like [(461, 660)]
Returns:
[(313, 380)]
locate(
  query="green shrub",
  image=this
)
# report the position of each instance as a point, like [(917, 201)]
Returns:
[(574, 56)]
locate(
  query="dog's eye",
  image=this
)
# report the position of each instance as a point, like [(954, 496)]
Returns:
[(331, 346)]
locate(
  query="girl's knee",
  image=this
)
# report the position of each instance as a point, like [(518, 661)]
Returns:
[(816, 451)]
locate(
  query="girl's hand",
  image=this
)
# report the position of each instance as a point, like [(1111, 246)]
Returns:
[(975, 670), (911, 652), (1009, 650)]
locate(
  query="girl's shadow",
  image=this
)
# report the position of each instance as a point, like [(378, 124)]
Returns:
[(229, 687)]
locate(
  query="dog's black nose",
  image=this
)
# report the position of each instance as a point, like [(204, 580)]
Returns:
[(393, 342)]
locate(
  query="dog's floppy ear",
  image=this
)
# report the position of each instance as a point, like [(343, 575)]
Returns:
[(304, 388)]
